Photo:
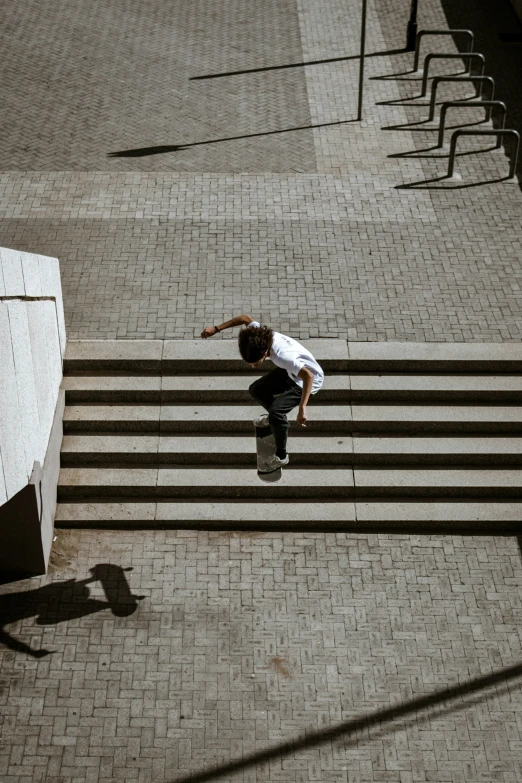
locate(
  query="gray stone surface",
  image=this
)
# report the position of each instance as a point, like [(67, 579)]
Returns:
[(194, 449), (109, 388), (334, 628), (343, 230), (453, 388), (392, 355), (308, 231), (487, 452), (439, 512), (111, 417), (89, 354), (463, 482), (433, 419), (98, 514)]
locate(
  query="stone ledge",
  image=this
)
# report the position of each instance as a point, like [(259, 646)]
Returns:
[(335, 354)]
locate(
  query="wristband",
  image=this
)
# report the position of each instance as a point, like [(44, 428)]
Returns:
[(215, 327)]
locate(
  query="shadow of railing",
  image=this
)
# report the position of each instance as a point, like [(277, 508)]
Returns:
[(293, 65), (141, 152), (385, 720)]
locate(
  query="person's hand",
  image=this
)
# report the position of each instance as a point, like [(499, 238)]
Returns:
[(302, 417), (208, 331)]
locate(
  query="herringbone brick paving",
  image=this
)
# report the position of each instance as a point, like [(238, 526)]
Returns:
[(310, 231), (149, 249), (243, 641)]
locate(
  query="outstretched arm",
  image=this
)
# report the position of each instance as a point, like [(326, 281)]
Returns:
[(308, 378), (239, 320)]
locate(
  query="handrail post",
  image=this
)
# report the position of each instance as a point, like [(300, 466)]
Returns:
[(421, 33), (453, 147), (498, 133), (361, 59), (486, 105), (478, 80), (411, 30)]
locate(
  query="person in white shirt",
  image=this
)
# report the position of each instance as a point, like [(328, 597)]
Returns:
[(296, 377)]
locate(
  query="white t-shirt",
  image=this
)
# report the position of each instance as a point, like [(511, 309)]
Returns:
[(292, 357)]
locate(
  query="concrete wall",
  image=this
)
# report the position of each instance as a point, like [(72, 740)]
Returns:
[(32, 345)]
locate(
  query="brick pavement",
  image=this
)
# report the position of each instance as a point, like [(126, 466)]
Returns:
[(243, 641), (314, 218), (308, 231)]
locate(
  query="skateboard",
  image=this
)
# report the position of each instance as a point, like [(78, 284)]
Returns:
[(266, 448)]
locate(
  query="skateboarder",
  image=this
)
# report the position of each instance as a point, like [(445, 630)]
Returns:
[(296, 377)]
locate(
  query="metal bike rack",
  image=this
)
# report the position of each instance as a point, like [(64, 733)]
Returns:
[(499, 133), (479, 80), (422, 33), (487, 105), (464, 56)]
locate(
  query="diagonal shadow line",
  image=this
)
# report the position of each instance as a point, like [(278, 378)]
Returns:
[(444, 153), (160, 150), (377, 718), (427, 184), (293, 65), (423, 126)]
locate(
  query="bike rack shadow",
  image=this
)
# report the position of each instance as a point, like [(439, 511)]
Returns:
[(60, 602), (442, 150), (427, 184), (421, 126)]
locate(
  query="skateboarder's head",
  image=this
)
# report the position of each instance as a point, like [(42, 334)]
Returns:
[(255, 343)]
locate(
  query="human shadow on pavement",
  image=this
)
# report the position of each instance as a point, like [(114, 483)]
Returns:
[(385, 721), (143, 151), (60, 602)]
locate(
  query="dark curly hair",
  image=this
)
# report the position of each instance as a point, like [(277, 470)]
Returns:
[(254, 341)]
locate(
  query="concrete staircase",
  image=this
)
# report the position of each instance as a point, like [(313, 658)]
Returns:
[(403, 437)]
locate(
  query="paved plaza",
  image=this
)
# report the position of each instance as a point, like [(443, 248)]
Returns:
[(175, 202)]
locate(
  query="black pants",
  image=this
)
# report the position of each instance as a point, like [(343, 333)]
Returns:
[(278, 394)]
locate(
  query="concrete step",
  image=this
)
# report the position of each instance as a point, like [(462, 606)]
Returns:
[(146, 449), (79, 450), (165, 389), (185, 356), (192, 418), (499, 452), (296, 483), (360, 388), (496, 484), (437, 419), (417, 517), (187, 483), (389, 388), (221, 354), (383, 419)]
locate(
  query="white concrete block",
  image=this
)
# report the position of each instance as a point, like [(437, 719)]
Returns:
[(11, 439), (3, 491), (31, 272), (25, 383), (52, 286), (11, 263), (38, 314)]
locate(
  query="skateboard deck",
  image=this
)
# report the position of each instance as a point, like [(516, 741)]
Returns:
[(266, 448)]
